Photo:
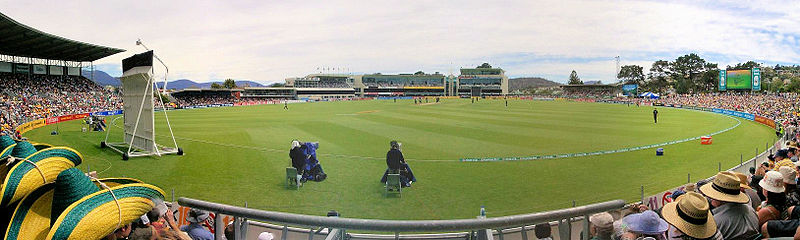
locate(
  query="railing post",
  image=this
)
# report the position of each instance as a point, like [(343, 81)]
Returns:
[(237, 222), (524, 232), (565, 229), (219, 227), (688, 177), (243, 228), (285, 232), (585, 235), (642, 194), (719, 166)]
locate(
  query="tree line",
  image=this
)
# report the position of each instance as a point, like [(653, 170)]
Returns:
[(692, 74)]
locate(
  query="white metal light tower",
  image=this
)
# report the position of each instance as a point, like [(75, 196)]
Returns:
[(616, 73)]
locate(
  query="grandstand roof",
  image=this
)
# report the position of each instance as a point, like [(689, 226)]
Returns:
[(17, 39)]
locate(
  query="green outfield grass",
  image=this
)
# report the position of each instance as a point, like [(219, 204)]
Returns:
[(238, 154)]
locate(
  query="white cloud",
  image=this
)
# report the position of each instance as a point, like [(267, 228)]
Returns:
[(269, 41)]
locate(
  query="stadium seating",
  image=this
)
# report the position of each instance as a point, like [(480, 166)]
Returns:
[(24, 98)]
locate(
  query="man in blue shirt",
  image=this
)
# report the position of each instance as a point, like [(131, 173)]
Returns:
[(195, 229)]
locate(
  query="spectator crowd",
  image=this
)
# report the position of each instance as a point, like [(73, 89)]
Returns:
[(24, 98), (762, 204)]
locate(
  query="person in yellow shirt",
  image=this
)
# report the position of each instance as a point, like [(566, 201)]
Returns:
[(782, 159)]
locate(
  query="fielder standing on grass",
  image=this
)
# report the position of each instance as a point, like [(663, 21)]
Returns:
[(285, 105), (655, 115)]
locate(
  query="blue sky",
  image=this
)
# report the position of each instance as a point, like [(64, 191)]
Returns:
[(268, 41)]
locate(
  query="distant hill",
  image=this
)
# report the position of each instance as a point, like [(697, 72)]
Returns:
[(102, 78), (592, 83), (186, 83), (533, 82)]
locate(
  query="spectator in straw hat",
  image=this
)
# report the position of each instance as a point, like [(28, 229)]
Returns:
[(601, 226), (735, 218), (773, 207), (195, 229), (690, 218), (755, 200)]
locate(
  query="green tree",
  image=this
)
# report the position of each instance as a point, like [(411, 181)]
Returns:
[(690, 73), (574, 79), (277, 85), (216, 86), (419, 73), (793, 86), (659, 76), (631, 74), (229, 83), (485, 65), (744, 66), (775, 85)]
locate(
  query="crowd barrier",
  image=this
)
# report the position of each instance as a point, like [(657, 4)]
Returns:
[(25, 127)]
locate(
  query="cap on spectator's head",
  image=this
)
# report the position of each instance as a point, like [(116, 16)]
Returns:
[(647, 222), (783, 153), (789, 174), (602, 220), (773, 182), (676, 194), (265, 236)]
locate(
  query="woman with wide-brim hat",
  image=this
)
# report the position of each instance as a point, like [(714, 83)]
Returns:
[(774, 190), (690, 215)]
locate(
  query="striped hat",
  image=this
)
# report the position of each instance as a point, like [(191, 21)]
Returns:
[(6, 144), (77, 207), (34, 171)]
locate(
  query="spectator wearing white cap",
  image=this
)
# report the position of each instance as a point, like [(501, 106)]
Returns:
[(773, 207), (601, 226), (785, 228), (265, 236), (790, 183), (735, 218)]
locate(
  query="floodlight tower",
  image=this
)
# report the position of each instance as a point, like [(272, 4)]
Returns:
[(616, 73), (139, 86)]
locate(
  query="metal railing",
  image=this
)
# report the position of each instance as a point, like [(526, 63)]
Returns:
[(340, 226)]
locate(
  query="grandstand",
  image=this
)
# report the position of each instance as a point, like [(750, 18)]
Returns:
[(40, 76), (592, 90), (323, 86), (482, 80), (417, 84)]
